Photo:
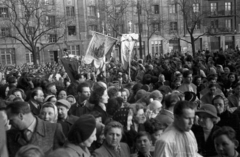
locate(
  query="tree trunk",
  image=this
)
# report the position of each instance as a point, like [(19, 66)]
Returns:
[(193, 45), (148, 47), (34, 53)]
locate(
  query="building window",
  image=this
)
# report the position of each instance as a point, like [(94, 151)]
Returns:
[(74, 49), (49, 2), (213, 7), (173, 26), (51, 20), (172, 8), (91, 10), (155, 27), (228, 8), (137, 48), (3, 12), (72, 30), (228, 24), (214, 24), (92, 28), (5, 31), (196, 7), (155, 9), (156, 47), (29, 57), (7, 56), (198, 25), (52, 38), (70, 10)]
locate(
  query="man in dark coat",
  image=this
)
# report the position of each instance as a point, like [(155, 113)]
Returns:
[(83, 95), (28, 129), (37, 98), (63, 118)]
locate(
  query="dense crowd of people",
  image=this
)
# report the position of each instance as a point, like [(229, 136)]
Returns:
[(174, 105)]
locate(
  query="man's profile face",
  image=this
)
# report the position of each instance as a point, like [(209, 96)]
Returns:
[(40, 96), (186, 120), (15, 120)]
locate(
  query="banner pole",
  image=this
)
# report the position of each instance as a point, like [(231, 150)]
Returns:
[(106, 35)]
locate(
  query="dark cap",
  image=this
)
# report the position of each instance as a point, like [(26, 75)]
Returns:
[(82, 129)]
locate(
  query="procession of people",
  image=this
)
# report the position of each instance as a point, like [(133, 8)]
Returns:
[(172, 105)]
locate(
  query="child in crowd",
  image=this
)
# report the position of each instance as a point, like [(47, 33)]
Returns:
[(143, 144), (225, 142)]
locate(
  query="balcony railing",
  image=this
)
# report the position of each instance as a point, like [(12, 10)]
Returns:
[(221, 30), (221, 13)]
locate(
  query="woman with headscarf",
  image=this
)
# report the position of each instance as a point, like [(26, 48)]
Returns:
[(81, 136), (112, 147), (49, 112)]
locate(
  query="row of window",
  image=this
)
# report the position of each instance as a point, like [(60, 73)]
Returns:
[(228, 24), (92, 10), (8, 55), (227, 7)]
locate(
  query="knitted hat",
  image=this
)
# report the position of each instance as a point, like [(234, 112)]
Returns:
[(82, 129), (63, 102), (209, 109)]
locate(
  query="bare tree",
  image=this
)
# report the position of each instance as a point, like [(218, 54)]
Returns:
[(36, 24), (114, 15), (154, 21), (193, 18)]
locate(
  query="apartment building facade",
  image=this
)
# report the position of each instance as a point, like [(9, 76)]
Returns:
[(160, 22), (223, 24), (79, 18)]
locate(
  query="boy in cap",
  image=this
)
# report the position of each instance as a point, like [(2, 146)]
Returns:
[(64, 118)]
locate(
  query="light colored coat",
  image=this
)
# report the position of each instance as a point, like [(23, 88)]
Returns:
[(76, 151)]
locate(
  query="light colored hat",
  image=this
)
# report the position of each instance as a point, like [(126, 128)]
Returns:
[(63, 102), (209, 109)]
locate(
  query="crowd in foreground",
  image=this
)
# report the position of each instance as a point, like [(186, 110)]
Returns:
[(177, 106)]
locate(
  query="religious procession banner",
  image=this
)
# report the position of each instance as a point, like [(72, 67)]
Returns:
[(71, 67), (99, 46), (127, 44)]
